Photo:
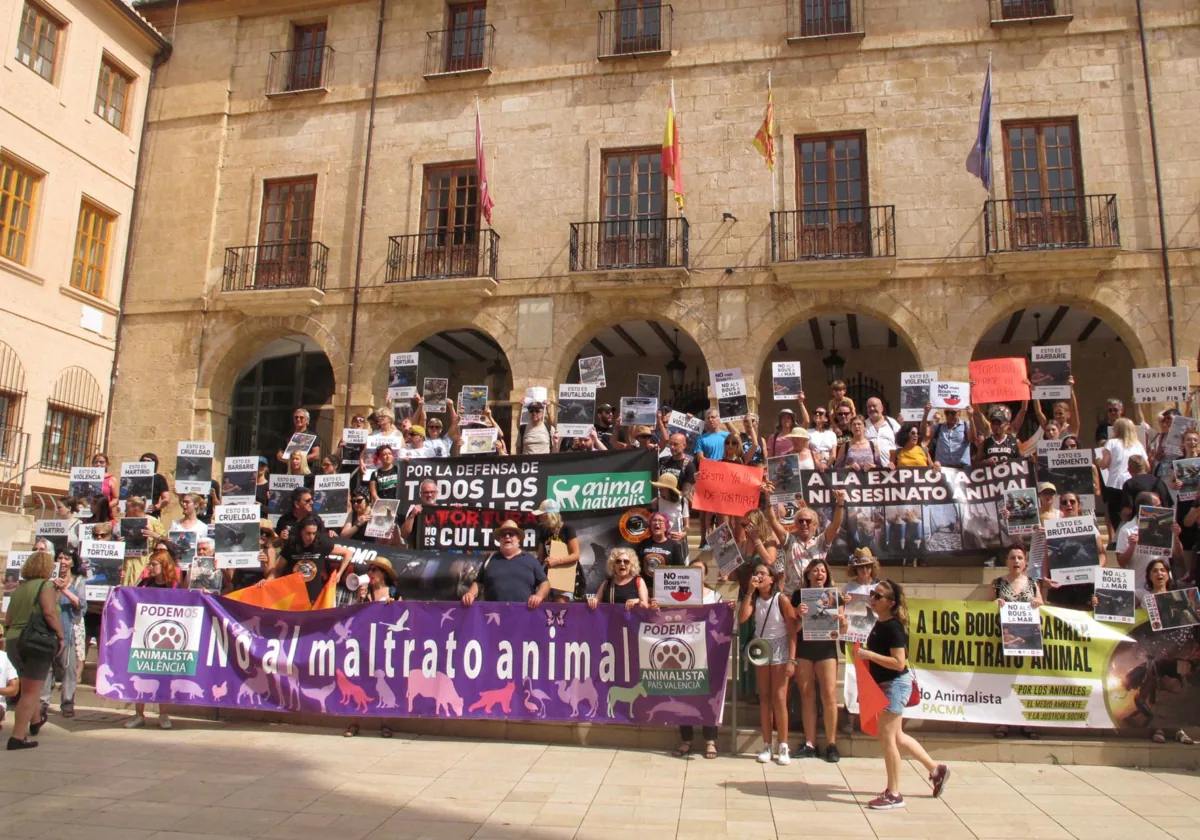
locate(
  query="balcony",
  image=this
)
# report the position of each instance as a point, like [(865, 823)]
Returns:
[(1077, 234), (635, 31), (299, 71), (443, 267), (1005, 12), (619, 256), (276, 279), (810, 19), (853, 245), (465, 49)]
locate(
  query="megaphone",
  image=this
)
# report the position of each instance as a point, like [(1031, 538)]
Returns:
[(758, 652)]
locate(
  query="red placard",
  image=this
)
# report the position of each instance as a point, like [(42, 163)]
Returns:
[(722, 487), (998, 380)]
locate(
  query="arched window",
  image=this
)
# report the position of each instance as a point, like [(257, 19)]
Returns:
[(12, 404), (73, 413)]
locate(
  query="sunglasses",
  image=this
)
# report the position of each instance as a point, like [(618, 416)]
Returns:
[(359, 500), (875, 596), (620, 562), (818, 414), (1068, 503)]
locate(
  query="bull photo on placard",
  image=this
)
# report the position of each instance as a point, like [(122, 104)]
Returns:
[(234, 537), (1156, 528)]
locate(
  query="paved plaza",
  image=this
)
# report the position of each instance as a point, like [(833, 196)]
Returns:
[(206, 781)]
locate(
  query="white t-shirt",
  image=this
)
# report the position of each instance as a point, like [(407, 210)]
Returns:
[(7, 672), (1141, 556), (198, 528), (1118, 467), (884, 436), (824, 442)]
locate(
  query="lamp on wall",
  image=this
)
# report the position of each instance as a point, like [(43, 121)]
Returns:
[(676, 368), (835, 365), (1037, 328)]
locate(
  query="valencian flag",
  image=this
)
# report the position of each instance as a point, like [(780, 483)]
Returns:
[(485, 194), (282, 593), (672, 151), (979, 162), (764, 140)]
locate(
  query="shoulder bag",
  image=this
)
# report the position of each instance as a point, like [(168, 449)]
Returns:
[(37, 639)]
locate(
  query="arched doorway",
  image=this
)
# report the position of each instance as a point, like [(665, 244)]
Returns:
[(283, 375), (1100, 361)]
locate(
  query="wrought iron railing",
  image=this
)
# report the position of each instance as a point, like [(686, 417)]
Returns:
[(833, 233), (62, 452), (824, 18), (464, 49), (441, 254), (1049, 223), (14, 458), (1014, 11), (294, 71), (635, 30), (290, 265), (629, 243)]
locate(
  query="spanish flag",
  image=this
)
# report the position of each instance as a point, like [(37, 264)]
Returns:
[(672, 152), (764, 140), (281, 593)]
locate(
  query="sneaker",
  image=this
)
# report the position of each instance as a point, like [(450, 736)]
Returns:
[(806, 751), (938, 778), (764, 757), (784, 756), (135, 722), (164, 722), (886, 802), (832, 755)]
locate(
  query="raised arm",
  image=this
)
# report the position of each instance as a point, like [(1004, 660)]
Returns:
[(839, 514)]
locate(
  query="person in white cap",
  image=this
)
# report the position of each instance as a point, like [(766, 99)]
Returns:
[(552, 530), (509, 574)]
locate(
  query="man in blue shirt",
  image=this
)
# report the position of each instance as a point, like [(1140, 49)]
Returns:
[(510, 574), (952, 440), (710, 444)]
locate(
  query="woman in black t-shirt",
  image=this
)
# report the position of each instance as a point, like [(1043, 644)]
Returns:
[(659, 550), (816, 664), (306, 553), (385, 483), (886, 654)]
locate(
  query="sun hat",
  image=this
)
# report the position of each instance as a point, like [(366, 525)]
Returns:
[(547, 506), (384, 565), (799, 433), (509, 526), (862, 557)]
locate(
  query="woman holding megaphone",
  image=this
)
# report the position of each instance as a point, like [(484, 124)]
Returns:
[(771, 649)]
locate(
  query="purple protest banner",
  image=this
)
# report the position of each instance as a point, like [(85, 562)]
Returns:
[(559, 662)]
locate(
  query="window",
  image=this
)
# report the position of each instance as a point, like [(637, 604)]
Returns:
[(633, 207), (466, 40), (308, 57), (67, 439), (450, 222), (1044, 183), (639, 26), (112, 91), (1021, 9), (832, 185), (285, 234), (91, 249), (37, 41), (18, 193), (825, 17)]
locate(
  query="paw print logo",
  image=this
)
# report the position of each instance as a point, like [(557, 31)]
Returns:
[(166, 635), (672, 655)]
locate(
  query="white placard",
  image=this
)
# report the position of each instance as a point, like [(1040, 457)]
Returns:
[(402, 376), (1050, 372), (1161, 384), (576, 410), (1020, 629), (1115, 600), (678, 587), (331, 498), (236, 539), (916, 390), (953, 395), (193, 467), (478, 441), (1080, 530), (786, 383)]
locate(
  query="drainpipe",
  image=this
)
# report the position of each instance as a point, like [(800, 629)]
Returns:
[(1162, 222), (362, 216)]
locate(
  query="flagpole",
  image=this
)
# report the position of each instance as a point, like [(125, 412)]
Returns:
[(991, 168), (774, 203)]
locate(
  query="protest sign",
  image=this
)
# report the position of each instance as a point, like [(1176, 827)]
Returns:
[(12, 575), (435, 392), (1180, 426), (1156, 529), (479, 441), (723, 487), (86, 483), (953, 395), (1020, 629), (1160, 384), (820, 622), (730, 389), (331, 498), (691, 427), (470, 529), (471, 403), (783, 471), (279, 495), (106, 559), (676, 587), (639, 411), (591, 371), (132, 530), (193, 467), (1071, 552), (1070, 471), (998, 380), (648, 385), (785, 380), (536, 393), (859, 620), (54, 531), (1114, 595), (1176, 608), (239, 480), (613, 666), (185, 541), (203, 576), (137, 479), (725, 549), (576, 410), (402, 376), (1050, 371), (383, 517), (236, 536), (1022, 507), (1187, 472), (354, 441), (1045, 447), (299, 442), (915, 393)]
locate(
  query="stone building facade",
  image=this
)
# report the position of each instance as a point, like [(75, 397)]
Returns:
[(889, 88)]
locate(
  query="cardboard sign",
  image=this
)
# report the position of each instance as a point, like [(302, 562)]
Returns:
[(576, 410), (1114, 595), (1156, 529), (1180, 426), (1022, 507), (137, 479), (434, 392), (476, 442), (591, 371), (676, 587), (820, 623), (236, 536), (1177, 608), (1187, 472), (727, 488), (725, 549), (472, 401), (86, 483), (383, 517), (106, 560), (1050, 372), (1020, 629), (193, 467), (998, 380), (354, 441), (299, 442), (915, 391), (1071, 552), (239, 480), (785, 380), (331, 498), (402, 376), (1161, 384), (730, 389), (689, 427), (947, 394), (279, 495)]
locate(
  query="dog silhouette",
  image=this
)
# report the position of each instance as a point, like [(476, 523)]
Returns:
[(488, 700), (352, 693)]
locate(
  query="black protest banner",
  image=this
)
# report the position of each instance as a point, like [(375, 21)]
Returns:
[(420, 575), (470, 529), (577, 481)]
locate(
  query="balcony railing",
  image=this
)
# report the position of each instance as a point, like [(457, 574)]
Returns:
[(629, 243), (833, 234), (292, 265), (464, 49), (636, 30), (437, 255), (1018, 11), (1041, 224), (296, 71), (824, 19)]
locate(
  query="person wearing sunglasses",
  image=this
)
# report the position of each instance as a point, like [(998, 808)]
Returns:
[(886, 655), (510, 574), (822, 439), (359, 518), (1077, 596), (624, 584)]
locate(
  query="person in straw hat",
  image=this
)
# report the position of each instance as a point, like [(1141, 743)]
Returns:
[(808, 458), (381, 582), (509, 574), (672, 504), (864, 574)]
